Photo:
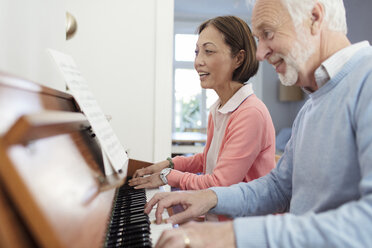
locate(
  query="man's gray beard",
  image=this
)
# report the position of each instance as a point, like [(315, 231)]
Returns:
[(297, 58), (291, 75)]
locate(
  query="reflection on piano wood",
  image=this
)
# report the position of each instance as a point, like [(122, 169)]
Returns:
[(53, 192)]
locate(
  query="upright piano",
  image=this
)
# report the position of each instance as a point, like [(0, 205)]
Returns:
[(53, 189)]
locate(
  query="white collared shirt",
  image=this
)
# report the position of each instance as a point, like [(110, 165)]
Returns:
[(331, 66), (220, 118)]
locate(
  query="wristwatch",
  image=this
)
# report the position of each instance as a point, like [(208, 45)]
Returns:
[(163, 175)]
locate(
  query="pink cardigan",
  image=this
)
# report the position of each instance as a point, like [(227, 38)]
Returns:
[(247, 151)]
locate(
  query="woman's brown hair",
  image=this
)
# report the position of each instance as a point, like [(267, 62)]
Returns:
[(237, 36)]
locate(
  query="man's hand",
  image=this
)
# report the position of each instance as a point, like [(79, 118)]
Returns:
[(195, 203), (149, 182), (149, 170), (207, 234)]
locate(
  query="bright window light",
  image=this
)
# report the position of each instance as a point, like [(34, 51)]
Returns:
[(185, 47)]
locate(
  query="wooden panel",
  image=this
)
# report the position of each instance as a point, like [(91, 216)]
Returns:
[(57, 192), (18, 98), (54, 182), (134, 165), (44, 124), (13, 233), (53, 192)]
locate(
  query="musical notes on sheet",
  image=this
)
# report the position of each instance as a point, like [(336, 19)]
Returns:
[(78, 87)]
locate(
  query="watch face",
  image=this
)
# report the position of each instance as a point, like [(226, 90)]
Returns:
[(163, 175), (165, 171)]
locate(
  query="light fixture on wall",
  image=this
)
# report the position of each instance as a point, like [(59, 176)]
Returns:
[(290, 93), (71, 26)]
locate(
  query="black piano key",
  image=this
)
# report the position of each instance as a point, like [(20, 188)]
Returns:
[(138, 241), (134, 221), (130, 211), (129, 225), (141, 242), (130, 238), (119, 214), (126, 231), (129, 204), (142, 245), (129, 218), (133, 208), (127, 243), (130, 199)]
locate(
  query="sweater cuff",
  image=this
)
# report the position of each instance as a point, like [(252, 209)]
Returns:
[(222, 205), (250, 232), (174, 178)]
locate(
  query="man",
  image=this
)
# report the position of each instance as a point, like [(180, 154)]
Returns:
[(323, 182)]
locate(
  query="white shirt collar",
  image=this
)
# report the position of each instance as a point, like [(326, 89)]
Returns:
[(331, 66), (234, 102)]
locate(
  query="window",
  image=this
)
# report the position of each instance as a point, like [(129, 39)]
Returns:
[(191, 102)]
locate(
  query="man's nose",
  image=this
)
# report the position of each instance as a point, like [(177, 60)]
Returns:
[(263, 51)]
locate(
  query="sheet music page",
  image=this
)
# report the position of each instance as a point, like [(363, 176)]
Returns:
[(78, 87)]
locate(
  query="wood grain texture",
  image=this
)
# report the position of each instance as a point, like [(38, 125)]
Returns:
[(52, 173)]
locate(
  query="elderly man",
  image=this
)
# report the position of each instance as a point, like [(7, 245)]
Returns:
[(323, 182)]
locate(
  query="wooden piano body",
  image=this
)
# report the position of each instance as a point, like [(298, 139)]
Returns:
[(53, 192)]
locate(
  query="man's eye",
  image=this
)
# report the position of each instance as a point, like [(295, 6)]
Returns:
[(196, 52), (268, 34), (208, 51)]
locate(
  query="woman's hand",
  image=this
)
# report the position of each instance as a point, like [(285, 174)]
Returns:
[(148, 182), (149, 170)]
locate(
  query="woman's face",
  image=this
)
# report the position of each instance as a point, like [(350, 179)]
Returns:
[(213, 60)]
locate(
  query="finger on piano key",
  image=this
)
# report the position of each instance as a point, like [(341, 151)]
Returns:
[(153, 222)]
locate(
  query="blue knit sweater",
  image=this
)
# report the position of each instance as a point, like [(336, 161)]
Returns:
[(324, 178)]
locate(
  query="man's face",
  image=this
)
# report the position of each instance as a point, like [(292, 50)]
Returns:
[(278, 42)]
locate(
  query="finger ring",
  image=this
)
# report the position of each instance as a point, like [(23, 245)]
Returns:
[(186, 240)]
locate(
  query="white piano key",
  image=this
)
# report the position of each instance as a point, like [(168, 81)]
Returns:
[(156, 230)]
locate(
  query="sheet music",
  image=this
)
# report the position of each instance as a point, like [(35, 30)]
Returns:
[(79, 89)]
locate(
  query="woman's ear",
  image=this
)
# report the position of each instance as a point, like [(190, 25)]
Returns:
[(239, 58), (317, 16)]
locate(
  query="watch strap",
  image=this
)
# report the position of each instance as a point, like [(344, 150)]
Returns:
[(171, 164)]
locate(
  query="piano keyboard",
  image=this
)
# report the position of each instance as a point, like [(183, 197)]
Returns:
[(129, 225)]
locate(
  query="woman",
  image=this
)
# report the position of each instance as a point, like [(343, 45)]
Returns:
[(240, 143)]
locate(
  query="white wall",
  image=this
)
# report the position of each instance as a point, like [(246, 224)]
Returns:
[(124, 51), (27, 28)]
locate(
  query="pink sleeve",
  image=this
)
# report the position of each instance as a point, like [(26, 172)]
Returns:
[(243, 141), (192, 164)]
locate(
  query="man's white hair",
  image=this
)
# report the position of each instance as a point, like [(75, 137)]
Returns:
[(335, 16)]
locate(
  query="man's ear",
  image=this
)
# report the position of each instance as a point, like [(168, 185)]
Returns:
[(317, 16), (239, 58)]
